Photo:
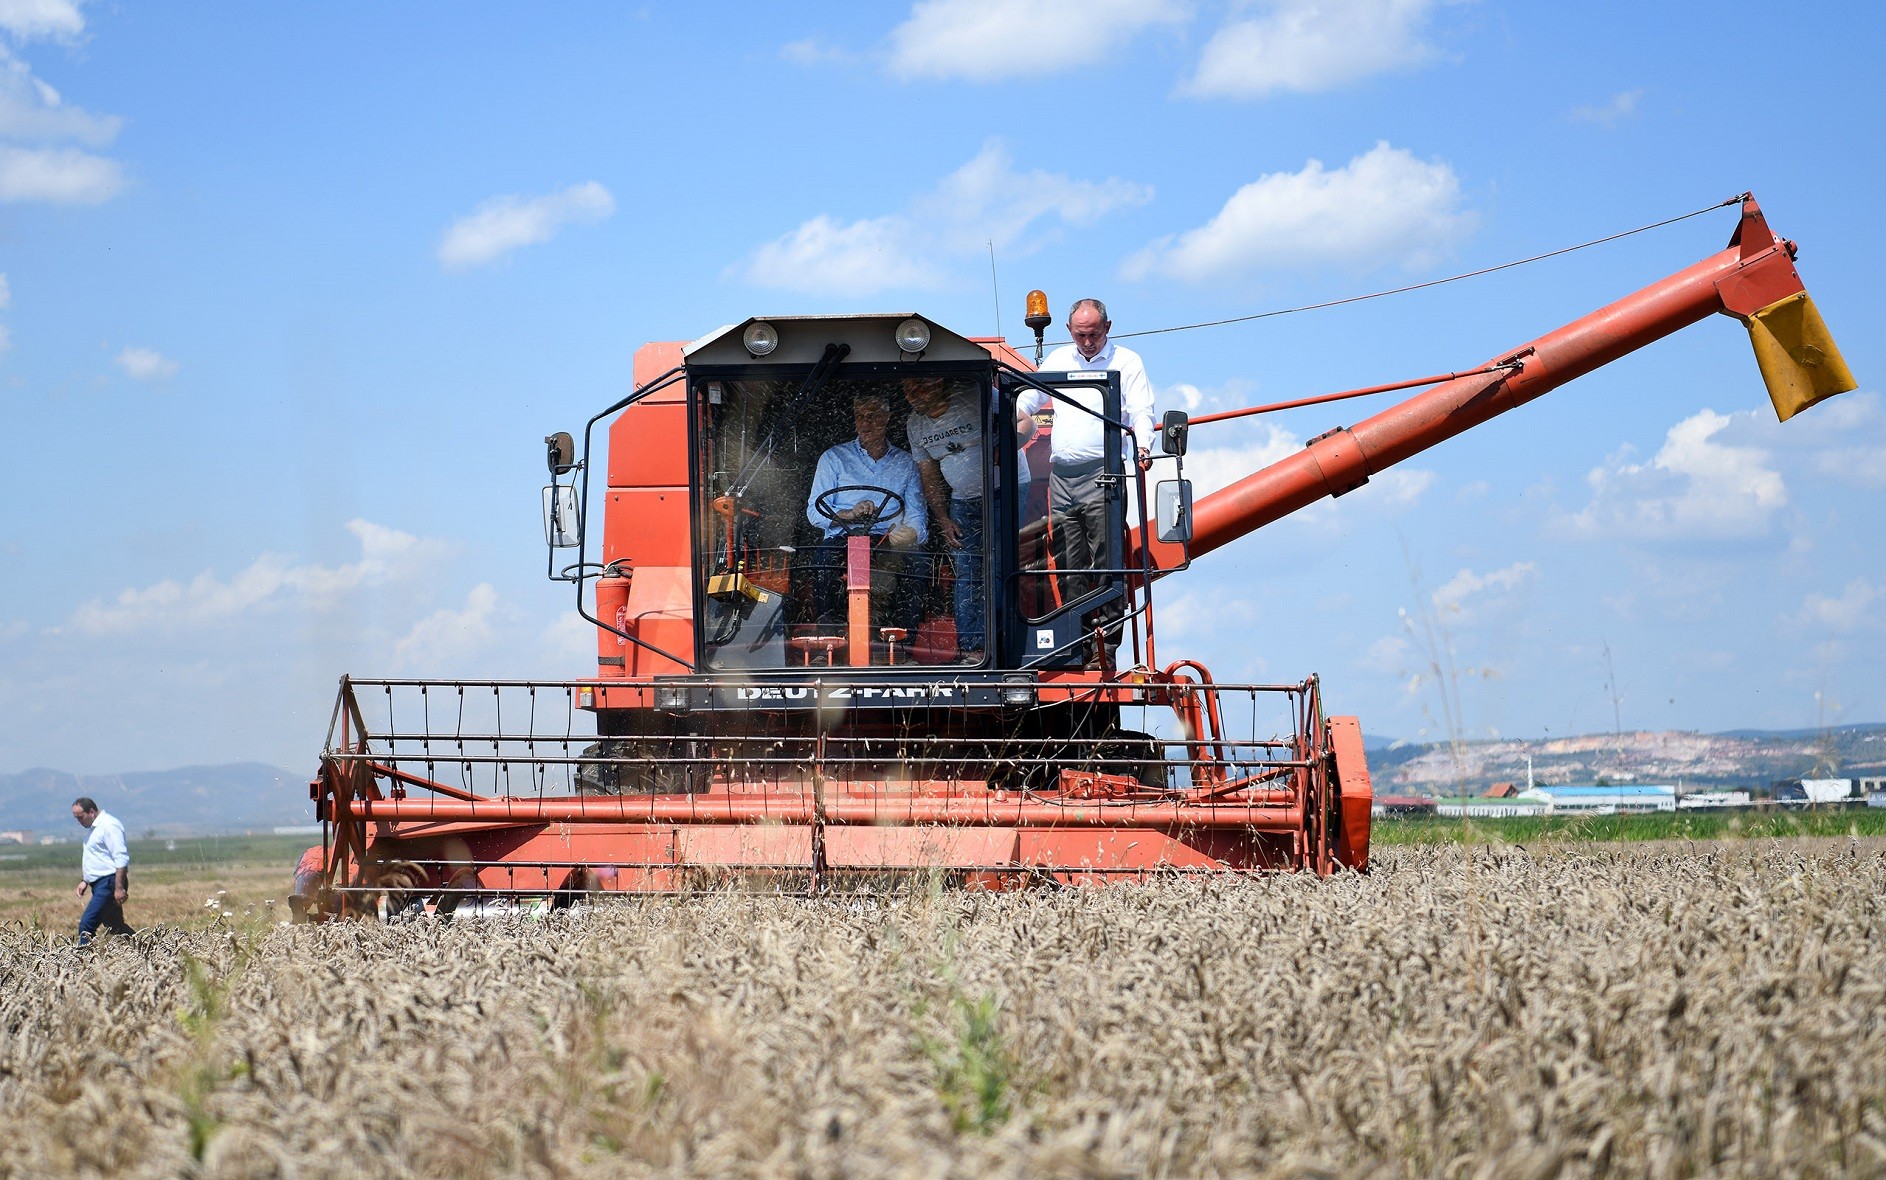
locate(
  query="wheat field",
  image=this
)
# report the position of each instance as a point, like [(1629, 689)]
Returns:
[(1457, 1013)]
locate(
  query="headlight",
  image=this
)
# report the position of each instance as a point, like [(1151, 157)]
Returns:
[(1018, 690), (913, 335), (762, 338), (672, 697)]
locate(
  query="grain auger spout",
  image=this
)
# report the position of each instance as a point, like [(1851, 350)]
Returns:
[(1752, 279)]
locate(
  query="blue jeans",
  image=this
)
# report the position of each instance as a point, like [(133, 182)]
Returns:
[(103, 909), (967, 562)]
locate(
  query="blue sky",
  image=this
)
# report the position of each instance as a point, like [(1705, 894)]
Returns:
[(292, 293)]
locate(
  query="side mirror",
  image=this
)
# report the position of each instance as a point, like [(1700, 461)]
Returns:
[(1172, 511), (1172, 431), (563, 525), (562, 452)]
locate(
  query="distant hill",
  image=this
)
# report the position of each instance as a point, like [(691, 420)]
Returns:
[(236, 797), (1740, 758)]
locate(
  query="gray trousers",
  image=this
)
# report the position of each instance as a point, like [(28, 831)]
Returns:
[(1078, 507)]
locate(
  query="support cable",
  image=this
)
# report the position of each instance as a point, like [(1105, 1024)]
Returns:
[(1471, 274)]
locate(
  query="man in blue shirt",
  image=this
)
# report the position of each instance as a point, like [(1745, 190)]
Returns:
[(104, 868), (868, 466)]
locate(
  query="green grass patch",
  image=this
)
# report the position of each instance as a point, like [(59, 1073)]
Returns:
[(1680, 825)]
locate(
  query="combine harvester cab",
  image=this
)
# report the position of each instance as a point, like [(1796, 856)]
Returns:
[(790, 687)]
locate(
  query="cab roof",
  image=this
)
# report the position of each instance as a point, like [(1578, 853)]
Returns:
[(802, 341)]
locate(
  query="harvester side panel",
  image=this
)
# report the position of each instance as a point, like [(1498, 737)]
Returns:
[(647, 526), (1356, 793)]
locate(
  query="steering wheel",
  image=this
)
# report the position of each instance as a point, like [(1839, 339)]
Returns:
[(884, 511)]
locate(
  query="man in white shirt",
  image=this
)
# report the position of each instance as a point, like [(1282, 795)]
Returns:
[(1076, 504), (945, 430), (104, 868), (870, 462)]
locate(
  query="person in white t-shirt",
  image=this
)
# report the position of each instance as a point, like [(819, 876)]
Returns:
[(1076, 504), (945, 433)]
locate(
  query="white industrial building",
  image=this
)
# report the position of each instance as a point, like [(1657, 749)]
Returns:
[(1610, 800)]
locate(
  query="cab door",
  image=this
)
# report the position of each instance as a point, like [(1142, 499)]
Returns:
[(1063, 571)]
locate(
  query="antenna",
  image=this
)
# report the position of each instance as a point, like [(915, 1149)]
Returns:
[(1611, 686), (996, 287)]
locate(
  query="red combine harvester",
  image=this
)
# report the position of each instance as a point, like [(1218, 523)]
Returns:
[(782, 691)]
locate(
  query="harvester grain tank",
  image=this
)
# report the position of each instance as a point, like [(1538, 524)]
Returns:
[(782, 690)]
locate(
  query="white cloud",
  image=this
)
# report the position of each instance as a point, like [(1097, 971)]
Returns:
[(1309, 46), (825, 255), (569, 640), (1609, 114), (1453, 593), (1215, 467), (1842, 440), (1384, 205), (64, 176), (505, 223), (6, 293), (1848, 612), (269, 582), (30, 109), (986, 200), (1186, 396), (812, 52), (26, 19), (1398, 487), (1389, 655), (1695, 487), (446, 635), (983, 40), (145, 364)]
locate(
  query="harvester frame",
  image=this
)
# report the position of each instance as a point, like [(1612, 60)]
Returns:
[(732, 742)]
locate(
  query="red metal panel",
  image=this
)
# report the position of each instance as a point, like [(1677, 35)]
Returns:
[(734, 847), (649, 526), (1117, 848), (651, 361), (648, 447), (902, 848), (1356, 792)]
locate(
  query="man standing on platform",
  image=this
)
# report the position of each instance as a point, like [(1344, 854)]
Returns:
[(1076, 502), (104, 868)]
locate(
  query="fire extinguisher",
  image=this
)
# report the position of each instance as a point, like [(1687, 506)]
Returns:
[(612, 607)]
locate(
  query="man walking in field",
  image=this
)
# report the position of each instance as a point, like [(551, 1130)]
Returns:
[(104, 869)]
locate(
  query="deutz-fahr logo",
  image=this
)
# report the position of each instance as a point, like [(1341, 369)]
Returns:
[(852, 692)]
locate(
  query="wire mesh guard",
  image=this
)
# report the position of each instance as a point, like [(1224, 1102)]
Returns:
[(454, 790)]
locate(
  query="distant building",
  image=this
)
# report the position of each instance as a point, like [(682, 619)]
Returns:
[(1392, 806), (1610, 800), (1871, 786), (1815, 790), (1708, 799), (17, 836), (1501, 791), (1486, 808)]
